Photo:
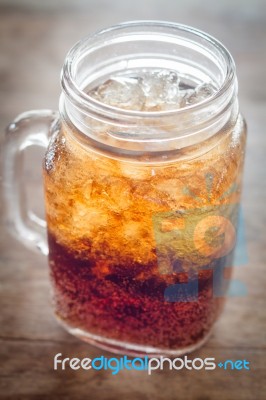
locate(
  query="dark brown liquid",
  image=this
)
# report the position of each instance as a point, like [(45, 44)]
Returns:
[(104, 249), (115, 302)]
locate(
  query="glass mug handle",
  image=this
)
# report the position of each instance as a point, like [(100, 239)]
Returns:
[(31, 128)]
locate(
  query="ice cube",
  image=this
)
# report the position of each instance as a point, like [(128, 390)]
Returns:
[(161, 88), (150, 90), (134, 172), (200, 93), (121, 92)]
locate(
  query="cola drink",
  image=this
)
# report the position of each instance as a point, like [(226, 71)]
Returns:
[(121, 233)]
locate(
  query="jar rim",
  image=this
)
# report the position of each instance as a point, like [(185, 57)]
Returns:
[(89, 104)]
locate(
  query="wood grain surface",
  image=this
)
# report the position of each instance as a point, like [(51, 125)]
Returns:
[(33, 44)]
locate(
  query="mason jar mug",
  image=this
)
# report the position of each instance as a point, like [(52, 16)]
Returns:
[(142, 181)]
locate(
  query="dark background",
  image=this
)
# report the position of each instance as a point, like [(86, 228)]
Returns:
[(34, 39)]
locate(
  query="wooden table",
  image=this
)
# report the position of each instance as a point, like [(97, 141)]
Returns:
[(33, 45)]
